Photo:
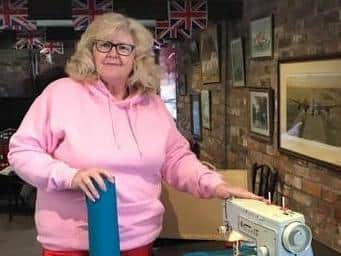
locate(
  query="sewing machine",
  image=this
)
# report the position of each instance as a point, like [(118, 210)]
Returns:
[(275, 230)]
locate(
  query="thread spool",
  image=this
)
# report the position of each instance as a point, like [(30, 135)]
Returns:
[(103, 222)]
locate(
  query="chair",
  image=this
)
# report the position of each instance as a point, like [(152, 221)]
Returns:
[(10, 183), (10, 187), (264, 180), (5, 135)]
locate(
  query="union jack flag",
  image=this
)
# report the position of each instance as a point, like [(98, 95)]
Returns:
[(54, 47), (164, 31), (84, 11), (29, 40), (187, 15), (13, 15)]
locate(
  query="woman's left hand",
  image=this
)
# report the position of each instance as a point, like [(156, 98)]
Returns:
[(224, 191)]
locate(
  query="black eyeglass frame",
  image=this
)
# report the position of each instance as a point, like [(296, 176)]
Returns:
[(114, 45)]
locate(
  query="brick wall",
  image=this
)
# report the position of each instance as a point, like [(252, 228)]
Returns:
[(301, 28), (213, 143)]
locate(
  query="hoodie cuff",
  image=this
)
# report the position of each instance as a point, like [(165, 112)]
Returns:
[(208, 183), (61, 178)]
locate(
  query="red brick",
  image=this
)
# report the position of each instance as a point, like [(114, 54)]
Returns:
[(286, 190), (301, 170), (338, 213), (329, 195), (312, 188), (297, 182), (305, 199), (294, 181)]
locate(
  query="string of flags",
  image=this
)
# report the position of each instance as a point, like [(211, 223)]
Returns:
[(84, 11), (184, 17), (14, 13), (14, 16)]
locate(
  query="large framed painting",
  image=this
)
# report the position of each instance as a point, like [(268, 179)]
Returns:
[(17, 72), (261, 113), (261, 36), (310, 109), (182, 83), (206, 108), (237, 63), (194, 50), (209, 54), (196, 125)]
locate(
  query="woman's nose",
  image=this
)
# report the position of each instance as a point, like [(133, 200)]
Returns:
[(113, 51)]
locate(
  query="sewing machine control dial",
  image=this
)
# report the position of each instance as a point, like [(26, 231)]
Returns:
[(262, 251), (296, 237)]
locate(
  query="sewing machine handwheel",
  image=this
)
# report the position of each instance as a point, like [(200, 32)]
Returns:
[(262, 251), (296, 237)]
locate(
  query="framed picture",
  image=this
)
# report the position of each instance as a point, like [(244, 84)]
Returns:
[(261, 113), (194, 50), (17, 73), (237, 62), (195, 79), (206, 108), (182, 83), (261, 37), (209, 54), (310, 109), (196, 116)]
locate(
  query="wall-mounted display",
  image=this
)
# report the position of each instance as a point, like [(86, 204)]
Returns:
[(194, 50), (196, 116), (310, 109), (261, 113), (182, 84), (209, 55), (237, 63), (206, 108), (261, 37), (17, 73)]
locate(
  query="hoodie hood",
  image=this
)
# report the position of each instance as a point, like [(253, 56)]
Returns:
[(102, 92), (128, 105)]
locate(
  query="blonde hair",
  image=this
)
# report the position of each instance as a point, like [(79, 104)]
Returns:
[(145, 73)]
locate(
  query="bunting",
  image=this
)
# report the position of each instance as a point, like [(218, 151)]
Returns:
[(84, 11), (164, 31), (13, 15), (187, 15), (54, 47), (29, 40)]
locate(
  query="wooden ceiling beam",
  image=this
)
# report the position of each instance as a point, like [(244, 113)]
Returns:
[(157, 9)]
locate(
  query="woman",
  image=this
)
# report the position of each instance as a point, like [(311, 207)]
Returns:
[(105, 121)]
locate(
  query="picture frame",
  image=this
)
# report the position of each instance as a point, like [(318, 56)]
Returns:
[(237, 62), (261, 113), (261, 37), (196, 125), (182, 84), (194, 51), (14, 62), (209, 54), (206, 108), (309, 111)]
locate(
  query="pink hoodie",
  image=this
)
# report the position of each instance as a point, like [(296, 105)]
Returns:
[(71, 126)]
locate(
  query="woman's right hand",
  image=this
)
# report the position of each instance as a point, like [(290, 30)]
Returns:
[(84, 179)]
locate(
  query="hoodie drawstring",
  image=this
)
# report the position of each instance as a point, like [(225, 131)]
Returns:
[(131, 126), (133, 131), (112, 125)]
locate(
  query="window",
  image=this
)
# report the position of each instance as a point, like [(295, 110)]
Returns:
[(168, 78)]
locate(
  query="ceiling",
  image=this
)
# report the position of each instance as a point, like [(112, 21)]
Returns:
[(157, 9)]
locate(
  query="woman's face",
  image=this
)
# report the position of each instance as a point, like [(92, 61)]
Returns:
[(117, 63)]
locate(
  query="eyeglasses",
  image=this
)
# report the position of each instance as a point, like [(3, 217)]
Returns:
[(121, 48)]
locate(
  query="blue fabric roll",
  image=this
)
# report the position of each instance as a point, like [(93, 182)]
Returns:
[(103, 223)]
